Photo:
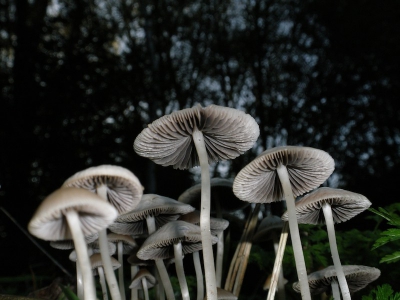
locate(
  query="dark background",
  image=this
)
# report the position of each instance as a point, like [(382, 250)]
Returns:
[(80, 79)]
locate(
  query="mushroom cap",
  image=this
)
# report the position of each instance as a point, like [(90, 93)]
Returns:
[(164, 210), (137, 280), (221, 190), (159, 245), (69, 244), (96, 262), (267, 227), (49, 222), (112, 248), (128, 243), (216, 224), (124, 190), (258, 182), (345, 205), (168, 141), (357, 277)]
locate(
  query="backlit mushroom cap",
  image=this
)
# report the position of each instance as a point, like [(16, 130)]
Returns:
[(268, 226), (216, 224), (124, 190), (49, 223), (128, 243), (159, 244), (258, 182), (345, 205), (221, 190), (357, 277), (137, 280), (227, 132), (69, 244), (164, 210), (96, 262)]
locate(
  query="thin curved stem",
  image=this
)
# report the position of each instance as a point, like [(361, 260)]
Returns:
[(335, 290), (79, 282), (199, 275), (134, 292), (180, 272), (105, 253), (145, 289), (220, 247), (205, 210), (344, 288), (82, 254), (294, 232), (120, 249)]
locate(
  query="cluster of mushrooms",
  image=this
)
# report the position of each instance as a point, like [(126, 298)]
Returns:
[(102, 211)]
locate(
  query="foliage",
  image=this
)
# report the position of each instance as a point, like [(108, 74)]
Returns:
[(383, 292)]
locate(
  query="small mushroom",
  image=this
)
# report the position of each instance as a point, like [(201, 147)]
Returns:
[(143, 280), (97, 267)]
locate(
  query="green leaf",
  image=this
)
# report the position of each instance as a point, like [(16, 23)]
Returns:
[(391, 258), (389, 235), (69, 294), (384, 292)]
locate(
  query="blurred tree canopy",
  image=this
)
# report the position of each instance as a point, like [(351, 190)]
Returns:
[(80, 79)]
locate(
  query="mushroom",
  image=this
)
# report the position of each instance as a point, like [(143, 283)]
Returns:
[(173, 240), (152, 212), (97, 267), (284, 173), (336, 206), (143, 280), (115, 185), (217, 133), (71, 213)]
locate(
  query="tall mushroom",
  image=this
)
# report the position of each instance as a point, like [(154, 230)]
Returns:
[(284, 173), (71, 213), (115, 185), (217, 133), (329, 206)]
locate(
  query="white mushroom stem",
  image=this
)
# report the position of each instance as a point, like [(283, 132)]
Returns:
[(335, 290), (102, 283), (105, 253), (145, 289), (220, 247), (294, 232), (281, 282), (162, 270), (199, 275), (180, 272), (120, 248), (205, 210), (79, 282), (326, 208), (134, 292), (81, 253)]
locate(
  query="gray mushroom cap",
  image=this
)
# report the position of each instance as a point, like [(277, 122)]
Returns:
[(227, 132), (96, 262), (124, 189), (216, 224), (164, 210), (258, 182), (137, 280), (159, 245), (128, 243), (49, 223), (268, 226), (345, 205), (357, 277), (221, 190)]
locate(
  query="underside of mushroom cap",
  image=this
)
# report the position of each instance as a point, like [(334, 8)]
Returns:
[(344, 204), (159, 245), (124, 189), (317, 281), (49, 223), (137, 280), (258, 182), (227, 132)]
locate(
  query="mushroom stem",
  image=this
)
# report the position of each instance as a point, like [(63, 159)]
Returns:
[(102, 283), (145, 289), (294, 232), (134, 292), (220, 247), (180, 270), (81, 253), (281, 283), (326, 208), (199, 275), (162, 270), (105, 253), (121, 269), (208, 256), (79, 282), (335, 290)]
